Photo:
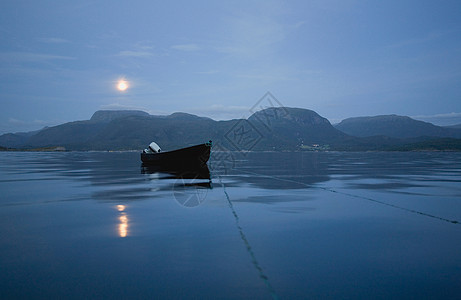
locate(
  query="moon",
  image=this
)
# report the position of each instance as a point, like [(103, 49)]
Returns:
[(122, 85)]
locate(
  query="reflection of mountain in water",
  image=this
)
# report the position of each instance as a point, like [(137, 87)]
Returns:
[(129, 180), (357, 170), (281, 170), (394, 171), (113, 176), (119, 177), (190, 188)]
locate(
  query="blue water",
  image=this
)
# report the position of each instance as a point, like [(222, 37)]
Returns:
[(269, 225)]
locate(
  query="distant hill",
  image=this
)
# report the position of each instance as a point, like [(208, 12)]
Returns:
[(124, 130), (17, 139), (285, 127), (106, 116), (394, 126), (271, 129), (281, 128), (457, 126), (185, 117)]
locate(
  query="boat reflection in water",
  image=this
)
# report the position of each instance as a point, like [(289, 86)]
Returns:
[(123, 218), (178, 173), (190, 185)]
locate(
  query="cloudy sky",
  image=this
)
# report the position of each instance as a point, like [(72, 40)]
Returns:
[(60, 60)]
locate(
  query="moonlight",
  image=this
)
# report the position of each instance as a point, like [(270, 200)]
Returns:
[(122, 85)]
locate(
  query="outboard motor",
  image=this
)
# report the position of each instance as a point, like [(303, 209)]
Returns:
[(153, 148)]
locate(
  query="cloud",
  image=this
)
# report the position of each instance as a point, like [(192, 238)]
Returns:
[(53, 40), (441, 119), (439, 116), (215, 111), (186, 47), (17, 125), (118, 106), (15, 121), (338, 6), (22, 122), (429, 37), (258, 32), (136, 53), (222, 112), (262, 76), (140, 49), (255, 31), (32, 57), (252, 35), (210, 72), (298, 24)]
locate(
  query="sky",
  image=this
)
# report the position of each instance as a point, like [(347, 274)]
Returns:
[(60, 61)]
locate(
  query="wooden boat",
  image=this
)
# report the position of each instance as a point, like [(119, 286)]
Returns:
[(185, 158)]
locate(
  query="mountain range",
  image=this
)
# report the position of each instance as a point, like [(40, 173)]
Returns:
[(276, 128), (395, 126)]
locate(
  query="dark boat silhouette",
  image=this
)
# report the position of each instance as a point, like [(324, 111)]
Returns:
[(177, 173), (181, 159)]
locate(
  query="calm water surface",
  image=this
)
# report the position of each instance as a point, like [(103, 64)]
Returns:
[(269, 225)]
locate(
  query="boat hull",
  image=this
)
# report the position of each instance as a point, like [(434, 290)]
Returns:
[(185, 158)]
